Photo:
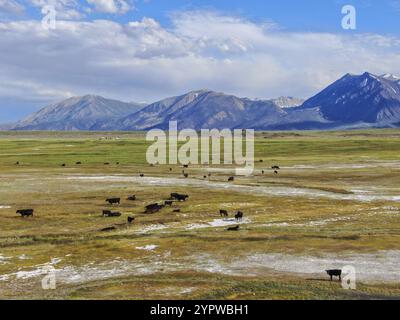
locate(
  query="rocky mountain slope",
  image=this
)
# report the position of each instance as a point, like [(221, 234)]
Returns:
[(77, 113)]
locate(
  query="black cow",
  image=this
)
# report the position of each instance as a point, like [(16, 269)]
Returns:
[(153, 208), (108, 229), (186, 166), (239, 216), (17, 163), (335, 273), (233, 228), (131, 198), (78, 163), (179, 197), (114, 200), (262, 172), (276, 172), (186, 175), (106, 163), (110, 214), (275, 167), (205, 177), (25, 212), (141, 175), (223, 213), (177, 210), (231, 179), (168, 202), (63, 165), (131, 220)]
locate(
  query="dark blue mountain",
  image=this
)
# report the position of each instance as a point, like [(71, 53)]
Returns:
[(365, 98)]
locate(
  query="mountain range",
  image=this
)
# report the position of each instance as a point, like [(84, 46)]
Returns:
[(353, 101)]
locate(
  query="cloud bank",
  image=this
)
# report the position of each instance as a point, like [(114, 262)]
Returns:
[(144, 61)]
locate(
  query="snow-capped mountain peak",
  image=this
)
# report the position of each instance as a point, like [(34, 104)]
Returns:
[(389, 76)]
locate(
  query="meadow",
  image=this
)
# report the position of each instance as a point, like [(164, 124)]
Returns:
[(335, 202)]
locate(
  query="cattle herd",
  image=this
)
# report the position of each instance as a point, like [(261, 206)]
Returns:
[(149, 209), (156, 207)]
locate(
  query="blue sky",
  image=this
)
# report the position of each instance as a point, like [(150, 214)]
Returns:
[(380, 16), (145, 50), (304, 15)]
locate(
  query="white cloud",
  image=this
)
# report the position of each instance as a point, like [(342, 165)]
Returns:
[(142, 60), (111, 6)]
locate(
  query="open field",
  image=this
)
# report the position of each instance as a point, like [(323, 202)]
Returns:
[(335, 202)]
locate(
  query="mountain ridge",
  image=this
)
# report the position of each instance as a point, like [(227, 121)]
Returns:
[(76, 113), (353, 101)]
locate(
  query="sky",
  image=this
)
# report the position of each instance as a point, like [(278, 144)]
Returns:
[(146, 50)]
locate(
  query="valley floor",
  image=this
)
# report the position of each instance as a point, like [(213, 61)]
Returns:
[(335, 202)]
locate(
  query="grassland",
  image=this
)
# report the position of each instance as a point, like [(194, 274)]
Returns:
[(335, 201)]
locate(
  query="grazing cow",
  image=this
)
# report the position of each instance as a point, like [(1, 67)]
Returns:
[(106, 163), (262, 172), (168, 203), (276, 172), (25, 212), (108, 229), (63, 165), (131, 220), (17, 163), (177, 210), (233, 228), (179, 197), (261, 161), (78, 163), (275, 167), (335, 273), (223, 213), (117, 163), (173, 196), (141, 175), (186, 175), (170, 169), (186, 166), (205, 177), (110, 214), (114, 200), (239, 216), (115, 214), (231, 179), (131, 198), (153, 208)]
